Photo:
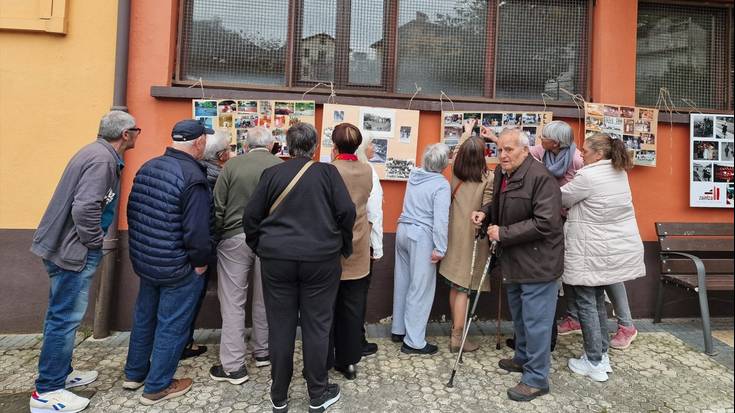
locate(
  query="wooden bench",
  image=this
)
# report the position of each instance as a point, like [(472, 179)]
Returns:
[(697, 257)]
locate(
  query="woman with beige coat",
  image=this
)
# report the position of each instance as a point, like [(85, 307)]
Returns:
[(472, 188)]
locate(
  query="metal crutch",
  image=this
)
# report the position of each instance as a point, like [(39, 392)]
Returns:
[(472, 314)]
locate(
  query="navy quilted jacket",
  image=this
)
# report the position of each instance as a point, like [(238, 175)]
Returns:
[(168, 217)]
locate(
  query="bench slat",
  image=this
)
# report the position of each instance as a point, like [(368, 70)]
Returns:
[(676, 265), (684, 244), (714, 282), (694, 228)]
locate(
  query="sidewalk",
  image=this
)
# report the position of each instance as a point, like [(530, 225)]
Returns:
[(661, 372)]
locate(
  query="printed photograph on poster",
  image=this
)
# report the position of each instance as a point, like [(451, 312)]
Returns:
[(628, 126), (378, 122), (530, 119), (226, 106), (205, 108), (224, 121), (648, 139), (452, 133), (593, 123), (612, 111), (280, 121), (705, 151), (512, 119), (266, 109), (405, 134), (304, 108), (724, 127), (645, 157), (339, 116), (242, 137), (246, 121), (730, 194), (380, 149), (327, 137), (453, 119), (398, 168), (723, 173), (247, 106), (492, 120), (207, 121), (702, 172), (647, 114), (491, 150), (632, 142), (280, 137), (613, 124), (264, 121), (726, 151), (642, 126), (594, 109), (284, 108), (627, 112), (531, 132), (703, 126)]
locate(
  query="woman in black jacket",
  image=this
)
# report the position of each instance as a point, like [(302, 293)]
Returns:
[(300, 241)]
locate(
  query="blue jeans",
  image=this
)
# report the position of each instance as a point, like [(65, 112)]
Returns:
[(532, 307), (67, 303), (161, 327)]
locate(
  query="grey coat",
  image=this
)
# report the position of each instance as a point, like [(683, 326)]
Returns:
[(71, 225)]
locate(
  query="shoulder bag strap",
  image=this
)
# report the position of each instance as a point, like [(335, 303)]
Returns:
[(290, 186)]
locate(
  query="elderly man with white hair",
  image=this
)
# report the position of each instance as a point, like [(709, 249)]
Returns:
[(421, 242), (235, 260), (525, 218)]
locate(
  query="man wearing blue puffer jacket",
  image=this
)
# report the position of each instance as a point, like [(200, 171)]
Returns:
[(170, 245)]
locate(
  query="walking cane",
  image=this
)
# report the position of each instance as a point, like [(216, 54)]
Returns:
[(497, 325), (472, 314), (478, 235)]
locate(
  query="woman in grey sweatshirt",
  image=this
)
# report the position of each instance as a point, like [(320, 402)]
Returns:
[(421, 242)]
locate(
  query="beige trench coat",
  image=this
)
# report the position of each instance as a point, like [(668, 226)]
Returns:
[(455, 266)]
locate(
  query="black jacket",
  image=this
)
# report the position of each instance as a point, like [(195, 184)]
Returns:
[(528, 213), (313, 223)]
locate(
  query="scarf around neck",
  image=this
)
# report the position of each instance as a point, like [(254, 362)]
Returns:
[(559, 164)]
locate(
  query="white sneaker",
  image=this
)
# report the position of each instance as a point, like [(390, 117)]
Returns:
[(57, 401), (132, 385), (605, 361), (584, 367), (80, 378)]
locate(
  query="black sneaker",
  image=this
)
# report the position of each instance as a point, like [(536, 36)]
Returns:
[(330, 397), (262, 361), (279, 407), (428, 349), (217, 373), (368, 349), (397, 338)]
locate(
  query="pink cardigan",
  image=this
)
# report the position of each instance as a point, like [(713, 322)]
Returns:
[(537, 151)]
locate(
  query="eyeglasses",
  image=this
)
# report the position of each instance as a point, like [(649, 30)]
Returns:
[(139, 130)]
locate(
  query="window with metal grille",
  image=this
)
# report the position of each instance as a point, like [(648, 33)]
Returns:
[(505, 49), (687, 50)]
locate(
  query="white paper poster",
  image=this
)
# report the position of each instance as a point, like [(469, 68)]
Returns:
[(711, 154)]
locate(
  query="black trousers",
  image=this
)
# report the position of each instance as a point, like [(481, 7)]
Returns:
[(293, 289), (349, 321)]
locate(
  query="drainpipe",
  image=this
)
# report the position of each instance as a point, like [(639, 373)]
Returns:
[(108, 267)]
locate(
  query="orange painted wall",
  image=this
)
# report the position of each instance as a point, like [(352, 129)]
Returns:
[(660, 193)]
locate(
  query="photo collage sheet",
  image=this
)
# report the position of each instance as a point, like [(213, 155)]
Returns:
[(711, 172), (637, 127), (237, 116), (453, 124), (394, 133)]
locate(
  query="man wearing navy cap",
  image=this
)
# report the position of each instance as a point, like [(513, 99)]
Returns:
[(170, 245)]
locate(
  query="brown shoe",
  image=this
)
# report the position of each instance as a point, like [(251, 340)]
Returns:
[(177, 388), (510, 366), (455, 341), (525, 393)]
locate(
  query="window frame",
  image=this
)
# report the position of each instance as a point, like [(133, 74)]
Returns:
[(718, 4), (389, 74)]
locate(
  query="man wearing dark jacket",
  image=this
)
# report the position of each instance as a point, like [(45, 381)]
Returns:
[(170, 246), (299, 242), (527, 224), (69, 240)]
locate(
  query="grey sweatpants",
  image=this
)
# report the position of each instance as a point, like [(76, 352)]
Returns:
[(235, 261), (414, 284)]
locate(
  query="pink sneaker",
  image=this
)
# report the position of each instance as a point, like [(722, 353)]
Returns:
[(569, 326), (624, 337)]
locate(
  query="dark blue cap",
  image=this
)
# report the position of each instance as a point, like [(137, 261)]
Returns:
[(189, 129)]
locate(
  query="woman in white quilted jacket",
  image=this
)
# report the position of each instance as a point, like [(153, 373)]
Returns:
[(602, 243)]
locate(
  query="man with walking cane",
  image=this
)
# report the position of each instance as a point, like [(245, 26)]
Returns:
[(527, 225)]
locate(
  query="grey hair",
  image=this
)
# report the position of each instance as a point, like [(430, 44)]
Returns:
[(216, 143), (114, 123), (436, 157), (560, 132), (521, 136), (301, 140), (183, 144), (363, 147), (259, 137)]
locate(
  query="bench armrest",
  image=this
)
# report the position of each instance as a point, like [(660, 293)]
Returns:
[(701, 272)]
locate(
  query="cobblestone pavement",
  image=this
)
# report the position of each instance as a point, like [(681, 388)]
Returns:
[(659, 373)]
